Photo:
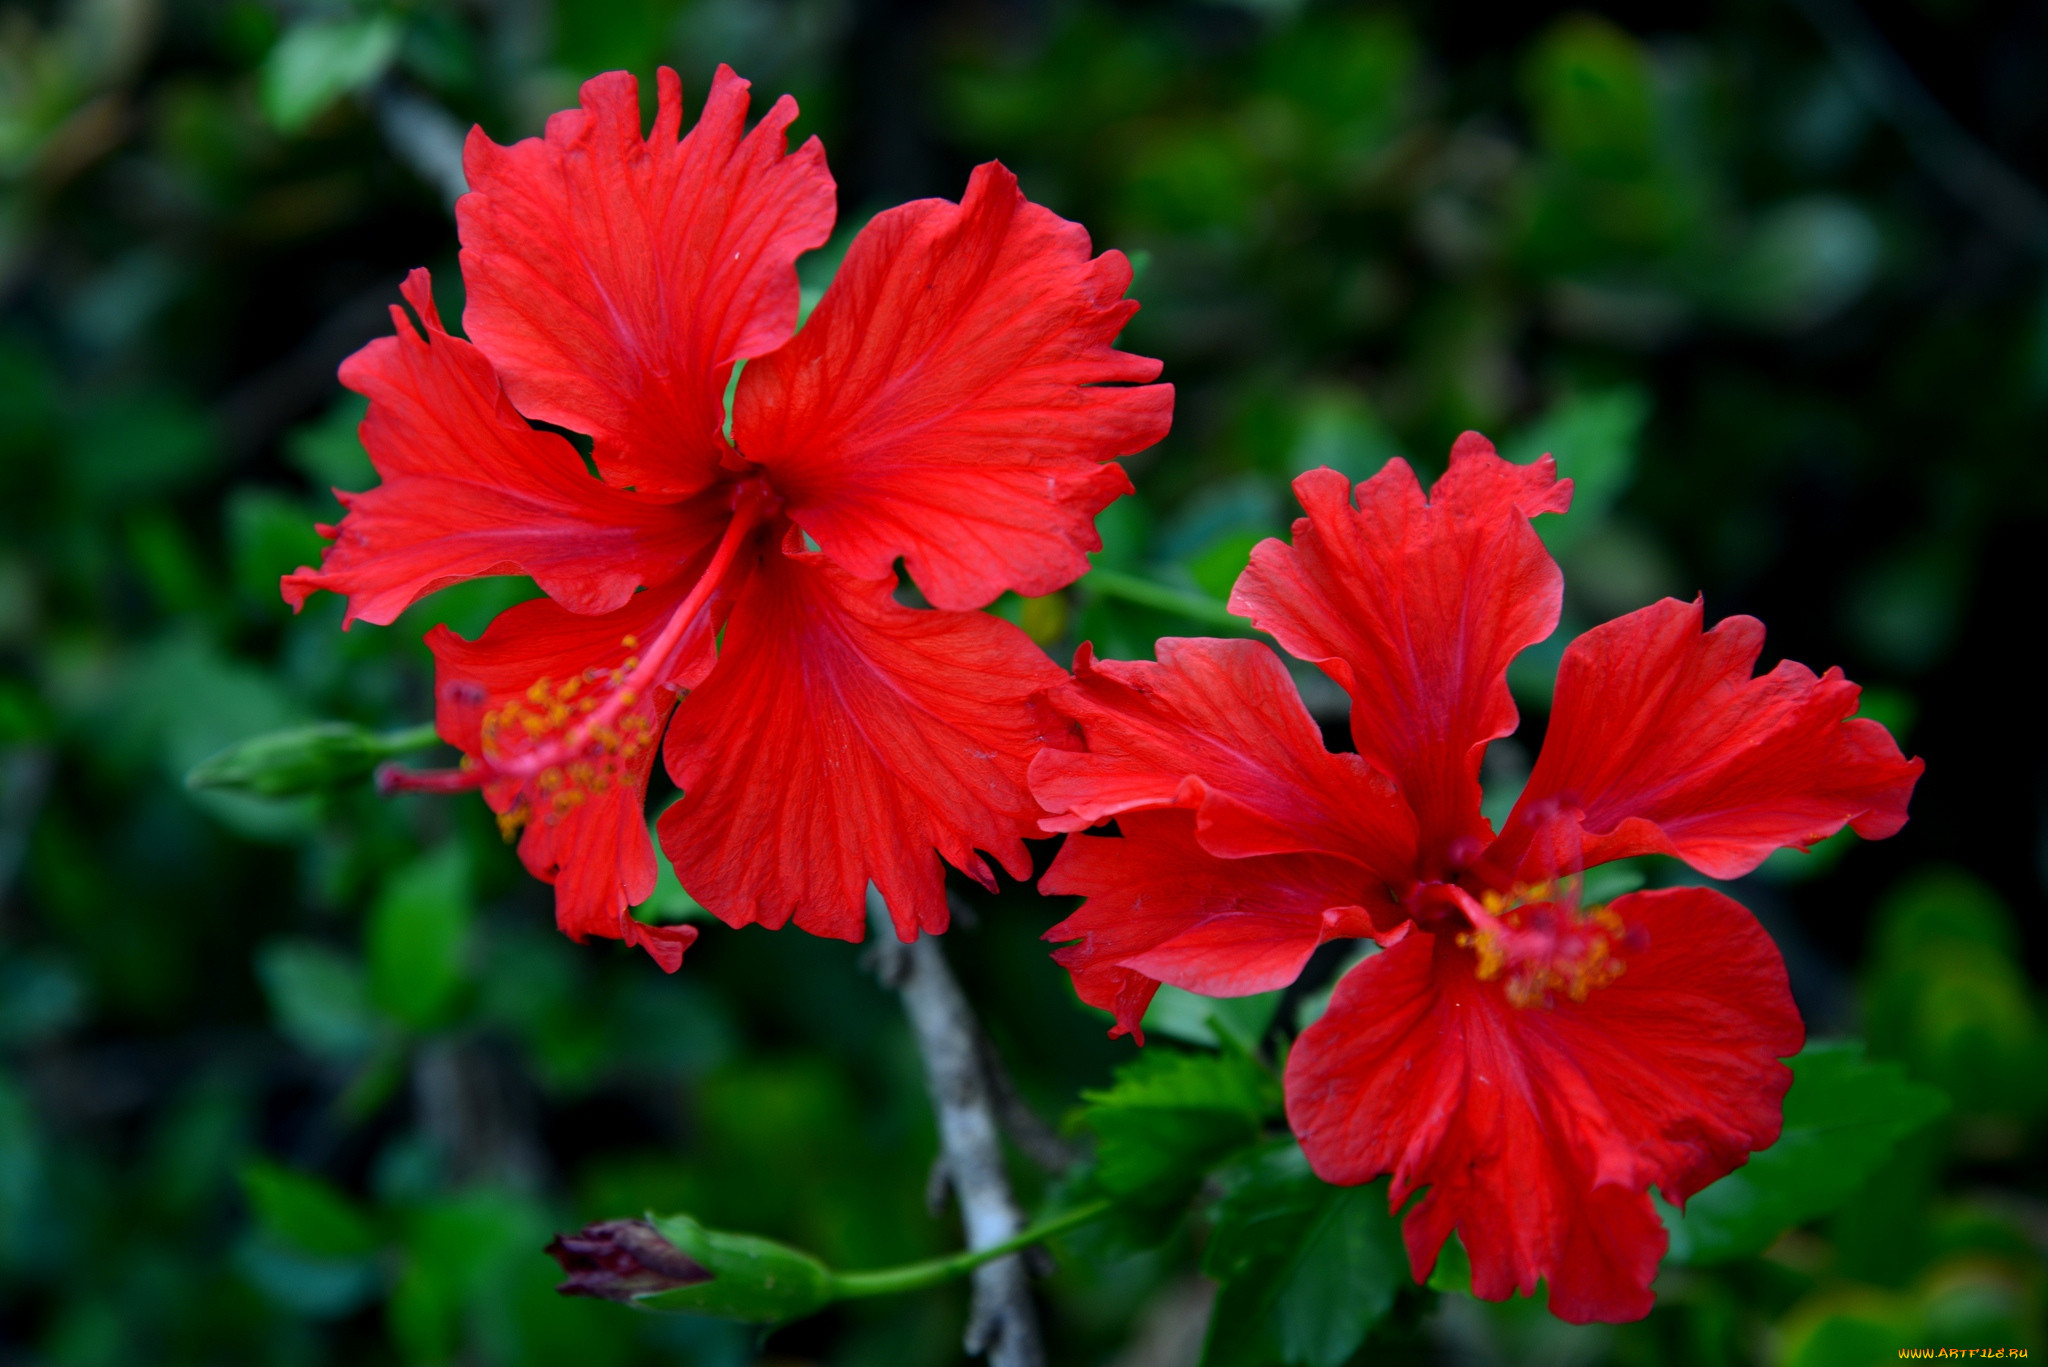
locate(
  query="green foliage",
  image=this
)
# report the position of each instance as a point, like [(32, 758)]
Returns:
[(418, 940), (307, 1214), (1173, 1115), (1237, 1023), (1788, 361), (1945, 994), (319, 998), (1843, 1118), (1306, 1268), (319, 61)]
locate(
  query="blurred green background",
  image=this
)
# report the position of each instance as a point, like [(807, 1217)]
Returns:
[(311, 1081)]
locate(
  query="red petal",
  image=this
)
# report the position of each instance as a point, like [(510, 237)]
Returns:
[(1161, 908), (1218, 727), (615, 279), (843, 738), (953, 396), (470, 489), (1416, 607), (1538, 1129), (1664, 743), (595, 849)]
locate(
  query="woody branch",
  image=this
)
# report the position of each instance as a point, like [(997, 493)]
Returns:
[(1002, 1322)]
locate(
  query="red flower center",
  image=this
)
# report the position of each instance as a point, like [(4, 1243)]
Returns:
[(1541, 946), (561, 726)]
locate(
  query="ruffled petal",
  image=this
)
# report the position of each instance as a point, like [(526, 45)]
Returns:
[(1416, 607), (1217, 726), (1161, 908), (844, 738), (615, 279), (470, 489), (582, 823), (952, 399), (1663, 742), (1539, 1129)]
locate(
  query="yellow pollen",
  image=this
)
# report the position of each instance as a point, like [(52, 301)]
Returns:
[(1542, 947), (548, 713)]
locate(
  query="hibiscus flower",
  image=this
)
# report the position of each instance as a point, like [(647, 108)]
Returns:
[(1537, 1062), (953, 401)]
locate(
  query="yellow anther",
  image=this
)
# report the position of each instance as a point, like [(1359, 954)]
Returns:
[(1541, 947)]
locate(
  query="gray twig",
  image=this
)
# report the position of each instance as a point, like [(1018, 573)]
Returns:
[(1002, 1323)]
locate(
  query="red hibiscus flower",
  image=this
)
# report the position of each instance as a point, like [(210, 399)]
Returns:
[(1536, 1062), (952, 401)]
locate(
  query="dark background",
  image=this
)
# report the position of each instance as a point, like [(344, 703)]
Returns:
[(310, 1081)]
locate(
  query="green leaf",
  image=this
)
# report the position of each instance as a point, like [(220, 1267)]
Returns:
[(317, 63), (1208, 1021), (670, 902), (271, 534), (1171, 1116), (1307, 1268), (461, 1252), (1593, 434), (328, 451), (307, 1214), (417, 938), (1843, 1117), (319, 998)]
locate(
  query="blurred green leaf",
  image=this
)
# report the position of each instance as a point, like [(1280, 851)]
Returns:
[(318, 61), (669, 902), (1306, 1268), (307, 1213), (1336, 427), (1904, 609), (418, 939), (1591, 86), (1216, 568), (328, 452), (1945, 993), (1843, 1117), (22, 1175), (1593, 435), (319, 998), (1453, 1270), (139, 445), (269, 535), (1171, 1116), (183, 700), (460, 1254), (40, 997), (1210, 1021), (1806, 261)]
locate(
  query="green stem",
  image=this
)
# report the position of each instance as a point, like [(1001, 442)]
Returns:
[(1145, 593), (889, 1281)]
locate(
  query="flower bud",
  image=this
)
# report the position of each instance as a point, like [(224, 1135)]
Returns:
[(754, 1280), (620, 1260), (304, 759)]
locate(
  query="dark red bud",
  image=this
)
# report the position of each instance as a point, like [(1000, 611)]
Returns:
[(621, 1259)]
